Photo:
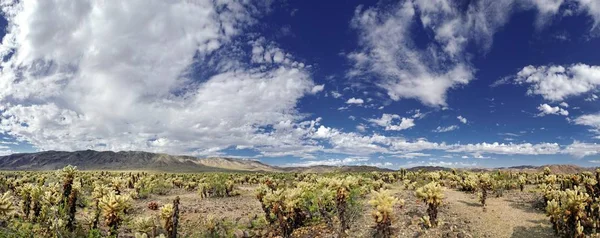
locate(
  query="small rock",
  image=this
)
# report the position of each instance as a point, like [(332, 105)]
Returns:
[(239, 234)]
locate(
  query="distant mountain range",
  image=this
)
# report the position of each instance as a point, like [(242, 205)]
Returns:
[(137, 160)]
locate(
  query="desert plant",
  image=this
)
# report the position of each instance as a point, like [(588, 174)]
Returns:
[(432, 195), (166, 217), (153, 205), (71, 209), (485, 184), (522, 180), (113, 209), (68, 175), (98, 193), (25, 194), (383, 202), (567, 211), (144, 225), (174, 219), (6, 206), (36, 200)]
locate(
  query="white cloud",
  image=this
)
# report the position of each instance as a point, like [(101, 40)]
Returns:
[(447, 164), (508, 149), (440, 129), (412, 155), (355, 101), (387, 51), (386, 121), (336, 94), (564, 104), (580, 150), (591, 98), (462, 119), (418, 114), (333, 162), (427, 73), (556, 83), (591, 120), (361, 128), (317, 88), (546, 109), (98, 75), (592, 8)]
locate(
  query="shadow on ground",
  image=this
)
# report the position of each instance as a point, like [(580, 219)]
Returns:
[(532, 232), (471, 204)]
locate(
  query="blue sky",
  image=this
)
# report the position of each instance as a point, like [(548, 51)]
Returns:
[(295, 83)]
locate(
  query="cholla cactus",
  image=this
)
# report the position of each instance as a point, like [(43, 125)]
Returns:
[(521, 181), (144, 225), (36, 200), (469, 183), (485, 184), (432, 195), (166, 216), (25, 194), (567, 211), (68, 175), (408, 185), (113, 209), (98, 193), (6, 205), (383, 202)]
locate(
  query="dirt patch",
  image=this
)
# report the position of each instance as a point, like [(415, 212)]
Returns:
[(512, 215)]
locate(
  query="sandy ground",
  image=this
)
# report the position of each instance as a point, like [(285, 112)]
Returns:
[(512, 215), (461, 215)]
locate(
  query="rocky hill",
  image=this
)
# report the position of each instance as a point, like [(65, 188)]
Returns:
[(137, 160), (126, 160)]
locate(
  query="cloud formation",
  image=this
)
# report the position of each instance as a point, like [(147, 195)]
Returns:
[(386, 121), (546, 109), (556, 83), (94, 75)]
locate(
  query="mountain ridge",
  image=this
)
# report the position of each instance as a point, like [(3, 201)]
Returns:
[(141, 160)]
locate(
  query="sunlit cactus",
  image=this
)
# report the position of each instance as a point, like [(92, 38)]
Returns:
[(522, 181), (68, 175), (567, 211), (166, 216), (383, 203), (432, 195), (485, 184), (25, 194), (113, 209), (144, 225), (98, 193), (6, 206)]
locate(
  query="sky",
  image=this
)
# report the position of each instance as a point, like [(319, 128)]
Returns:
[(486, 83)]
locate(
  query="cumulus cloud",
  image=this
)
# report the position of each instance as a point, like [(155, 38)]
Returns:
[(355, 101), (580, 149), (441, 129), (333, 162), (556, 83), (462, 119), (546, 109), (386, 121), (96, 75), (591, 120), (509, 149)]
